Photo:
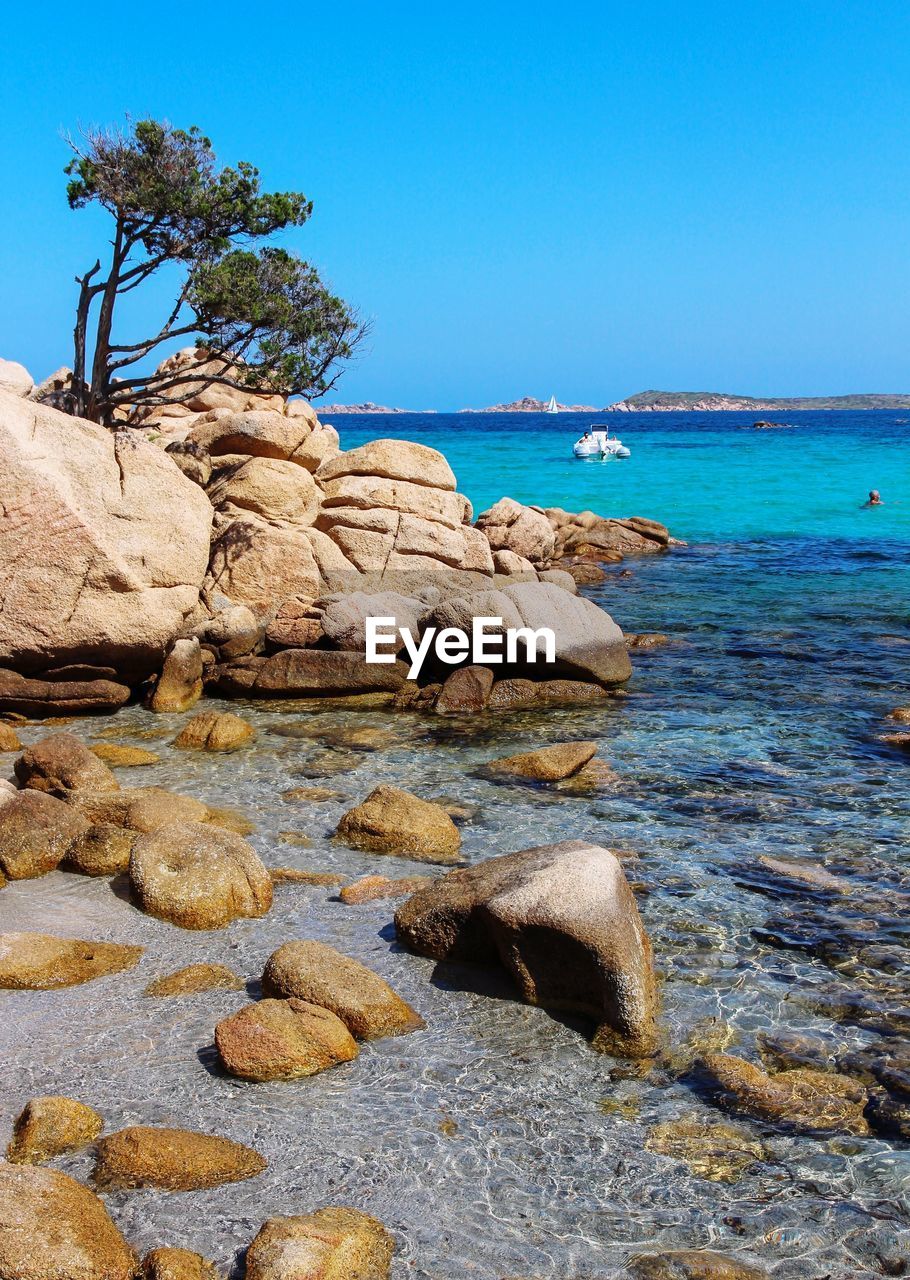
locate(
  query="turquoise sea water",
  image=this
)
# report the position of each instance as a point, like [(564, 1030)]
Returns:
[(495, 1143)]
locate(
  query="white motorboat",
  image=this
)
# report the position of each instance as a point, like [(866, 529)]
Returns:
[(598, 443)]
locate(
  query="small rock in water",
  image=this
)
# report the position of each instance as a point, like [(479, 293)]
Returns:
[(49, 1126), (646, 639), (198, 876), (342, 1243), (173, 1159), (901, 715), (371, 888), (394, 821), (465, 692), (298, 838), (692, 1264), (318, 879), (214, 731), (55, 1229), (179, 686), (9, 738), (36, 830), (60, 764), (195, 978), (316, 795), (548, 764), (714, 1151), (282, 1040), (806, 873), (176, 1264), (319, 974), (42, 962), (103, 850), (784, 1050), (365, 738), (117, 755), (804, 1100)]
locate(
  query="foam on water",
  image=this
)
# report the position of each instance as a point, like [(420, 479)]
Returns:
[(495, 1142)]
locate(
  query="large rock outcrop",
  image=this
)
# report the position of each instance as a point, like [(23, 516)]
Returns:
[(103, 544), (562, 920)]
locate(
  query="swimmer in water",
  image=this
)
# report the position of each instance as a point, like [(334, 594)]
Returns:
[(875, 499)]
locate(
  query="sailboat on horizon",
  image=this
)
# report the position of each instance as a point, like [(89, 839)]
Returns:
[(552, 406)]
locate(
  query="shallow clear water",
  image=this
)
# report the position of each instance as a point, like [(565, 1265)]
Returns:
[(495, 1143)]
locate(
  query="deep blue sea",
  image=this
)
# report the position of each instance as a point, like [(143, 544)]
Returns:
[(495, 1142)]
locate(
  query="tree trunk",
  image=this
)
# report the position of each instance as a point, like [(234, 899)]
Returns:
[(86, 292), (99, 408)]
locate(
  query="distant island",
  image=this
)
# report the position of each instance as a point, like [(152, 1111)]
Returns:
[(708, 401), (367, 407), (528, 404)]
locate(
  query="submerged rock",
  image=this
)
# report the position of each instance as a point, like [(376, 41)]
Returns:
[(214, 731), (316, 879), (174, 1159), (714, 1151), (36, 830), (563, 921), (807, 873), (119, 756), (103, 850), (319, 974), (49, 1126), (61, 764), (692, 1264), (805, 1100), (176, 1264), (330, 1244), (195, 978), (198, 876), (548, 764), (42, 962), (53, 1228), (282, 1040), (394, 821), (372, 888)]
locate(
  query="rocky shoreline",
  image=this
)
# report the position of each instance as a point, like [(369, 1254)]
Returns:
[(238, 551)]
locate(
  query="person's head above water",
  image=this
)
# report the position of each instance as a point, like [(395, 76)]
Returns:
[(875, 498)]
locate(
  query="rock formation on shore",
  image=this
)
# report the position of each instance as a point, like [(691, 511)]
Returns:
[(224, 542)]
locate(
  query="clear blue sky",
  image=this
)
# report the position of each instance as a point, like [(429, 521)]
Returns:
[(586, 199)]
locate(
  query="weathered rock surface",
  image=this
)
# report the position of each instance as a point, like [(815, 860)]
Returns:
[(9, 738), (692, 1264), (53, 1228), (176, 1264), (195, 978), (215, 731), (42, 962), (198, 877), (562, 920), (140, 808), (394, 821), (302, 673), (204, 391), (179, 686), (805, 1100), (43, 697), (103, 544), (232, 632), (36, 830), (275, 490), (49, 1126), (319, 974), (264, 433), (330, 1244), (282, 1040), (547, 764), (344, 616), (391, 460), (258, 564), (193, 460), (175, 1159), (521, 695), (60, 764), (525, 531), (465, 692)]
